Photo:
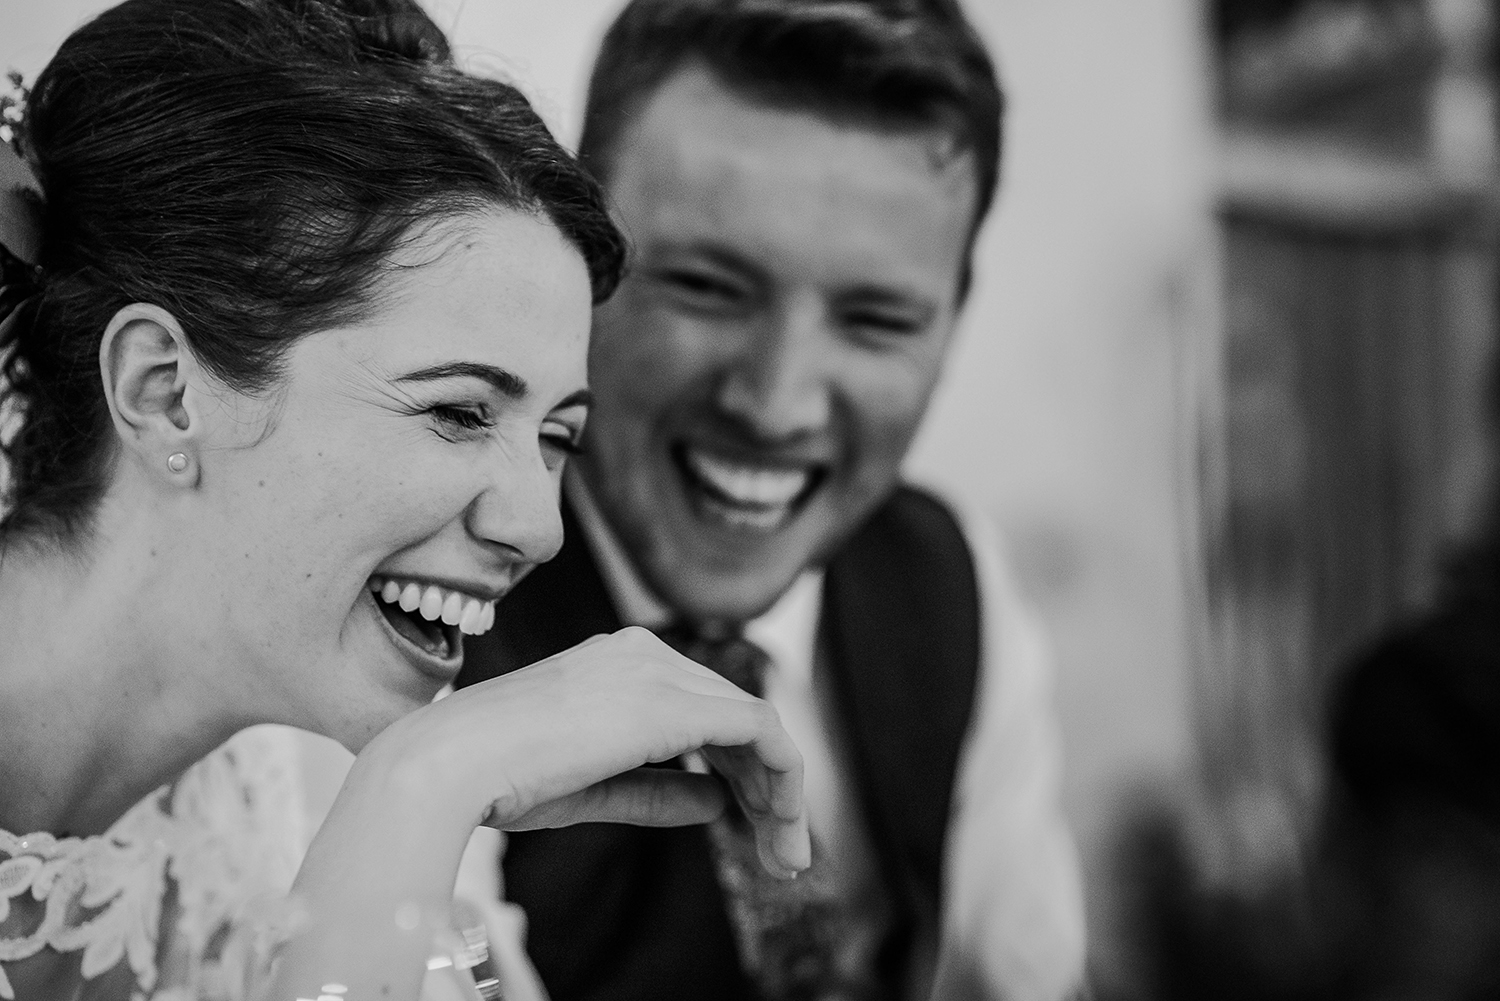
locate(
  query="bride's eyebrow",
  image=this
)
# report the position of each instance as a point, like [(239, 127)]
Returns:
[(507, 383)]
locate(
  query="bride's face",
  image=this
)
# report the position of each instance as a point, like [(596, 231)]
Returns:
[(415, 457)]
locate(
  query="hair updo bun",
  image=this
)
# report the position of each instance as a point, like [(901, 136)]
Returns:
[(250, 166), (394, 28), (400, 30)]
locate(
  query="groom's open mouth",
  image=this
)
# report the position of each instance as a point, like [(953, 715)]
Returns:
[(429, 617), (747, 495)]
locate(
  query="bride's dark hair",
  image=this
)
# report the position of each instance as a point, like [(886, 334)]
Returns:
[(250, 166)]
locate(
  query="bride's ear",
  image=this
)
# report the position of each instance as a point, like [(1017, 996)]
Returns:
[(152, 383)]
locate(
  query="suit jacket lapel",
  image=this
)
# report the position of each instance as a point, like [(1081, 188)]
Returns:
[(901, 620)]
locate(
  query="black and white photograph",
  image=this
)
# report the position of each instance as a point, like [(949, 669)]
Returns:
[(749, 500)]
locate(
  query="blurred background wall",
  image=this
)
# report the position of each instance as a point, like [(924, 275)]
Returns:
[(1068, 410)]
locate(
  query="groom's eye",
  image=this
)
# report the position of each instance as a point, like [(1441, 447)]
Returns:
[(705, 290), (883, 322)]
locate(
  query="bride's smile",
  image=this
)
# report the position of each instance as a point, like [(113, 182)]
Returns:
[(428, 619), (432, 629)]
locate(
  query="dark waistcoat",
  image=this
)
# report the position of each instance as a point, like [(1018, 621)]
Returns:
[(619, 912)]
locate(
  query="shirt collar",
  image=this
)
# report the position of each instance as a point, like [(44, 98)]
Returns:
[(787, 631), (634, 602)]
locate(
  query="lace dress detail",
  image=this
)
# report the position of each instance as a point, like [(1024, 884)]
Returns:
[(184, 898)]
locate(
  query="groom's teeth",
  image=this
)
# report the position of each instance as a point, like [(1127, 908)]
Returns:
[(473, 616), (411, 597), (757, 486), (453, 608), (757, 519)]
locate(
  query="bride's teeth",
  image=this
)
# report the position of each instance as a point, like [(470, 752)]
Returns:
[(411, 597), (432, 604), (472, 616)]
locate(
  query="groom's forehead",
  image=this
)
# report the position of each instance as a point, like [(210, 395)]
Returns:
[(697, 86), (694, 127)]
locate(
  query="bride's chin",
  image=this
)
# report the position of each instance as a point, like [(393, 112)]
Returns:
[(384, 702)]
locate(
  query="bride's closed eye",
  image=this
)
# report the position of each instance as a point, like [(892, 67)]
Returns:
[(460, 422)]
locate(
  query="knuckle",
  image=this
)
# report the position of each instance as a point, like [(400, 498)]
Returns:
[(637, 637), (507, 805)]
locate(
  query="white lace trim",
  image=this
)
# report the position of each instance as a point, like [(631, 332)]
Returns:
[(189, 887)]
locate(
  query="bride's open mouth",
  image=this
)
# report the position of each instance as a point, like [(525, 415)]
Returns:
[(430, 618)]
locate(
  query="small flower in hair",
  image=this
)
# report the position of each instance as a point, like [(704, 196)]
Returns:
[(20, 194), (13, 110)]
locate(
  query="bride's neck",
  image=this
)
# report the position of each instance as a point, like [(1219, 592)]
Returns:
[(98, 702)]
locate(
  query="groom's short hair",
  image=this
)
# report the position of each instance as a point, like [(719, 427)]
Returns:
[(895, 65)]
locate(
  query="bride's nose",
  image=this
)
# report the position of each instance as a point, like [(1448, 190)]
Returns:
[(518, 511)]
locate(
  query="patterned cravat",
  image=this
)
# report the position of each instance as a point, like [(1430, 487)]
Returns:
[(795, 937)]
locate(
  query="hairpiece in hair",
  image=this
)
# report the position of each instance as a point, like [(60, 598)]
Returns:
[(20, 194), (13, 107)]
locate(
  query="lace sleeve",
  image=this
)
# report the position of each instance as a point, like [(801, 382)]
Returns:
[(188, 890)]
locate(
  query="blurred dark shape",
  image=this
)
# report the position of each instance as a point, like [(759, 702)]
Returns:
[(1398, 894), (1230, 17), (1408, 909), (1416, 725)]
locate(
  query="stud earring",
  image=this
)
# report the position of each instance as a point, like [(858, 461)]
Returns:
[(177, 462)]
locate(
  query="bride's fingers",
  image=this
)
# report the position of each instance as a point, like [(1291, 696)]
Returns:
[(614, 703), (647, 797), (773, 805), (750, 783), (766, 774), (785, 846)]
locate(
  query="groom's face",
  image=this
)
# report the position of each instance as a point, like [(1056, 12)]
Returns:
[(762, 370)]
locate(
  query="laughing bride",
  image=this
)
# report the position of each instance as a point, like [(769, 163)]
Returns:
[(295, 323)]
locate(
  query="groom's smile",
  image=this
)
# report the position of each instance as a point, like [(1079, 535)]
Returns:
[(745, 491)]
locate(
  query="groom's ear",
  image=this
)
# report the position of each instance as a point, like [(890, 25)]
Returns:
[(149, 374)]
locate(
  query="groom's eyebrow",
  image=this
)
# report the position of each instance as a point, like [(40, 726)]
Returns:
[(507, 383)]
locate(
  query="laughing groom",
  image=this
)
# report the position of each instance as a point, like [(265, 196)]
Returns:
[(802, 181)]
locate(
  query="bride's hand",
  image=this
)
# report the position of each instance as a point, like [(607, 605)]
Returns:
[(560, 742), (563, 741)]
